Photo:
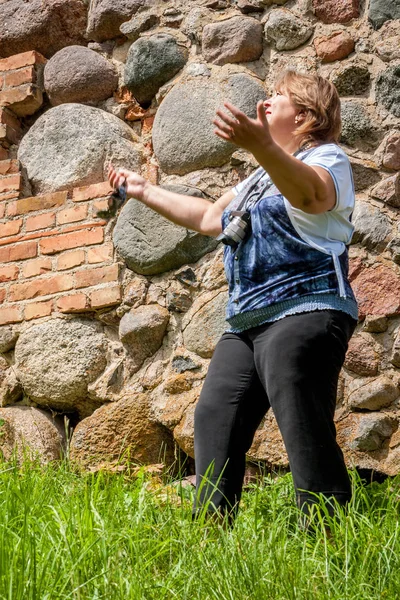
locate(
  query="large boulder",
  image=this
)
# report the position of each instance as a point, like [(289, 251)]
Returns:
[(106, 17), (151, 62), (286, 31), (27, 432), (122, 431), (55, 362), (183, 133), (150, 244), (387, 88), (71, 144), (78, 74), (43, 26), (234, 40), (357, 128)]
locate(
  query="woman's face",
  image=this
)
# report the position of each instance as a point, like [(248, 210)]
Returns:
[(281, 116)]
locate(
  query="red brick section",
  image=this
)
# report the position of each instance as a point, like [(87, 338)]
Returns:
[(8, 273), (35, 310), (18, 252), (3, 293), (16, 78), (23, 100), (45, 286), (73, 303), (75, 239), (3, 151), (97, 190), (21, 60), (71, 215), (104, 297), (95, 276), (35, 267), (69, 260), (43, 221), (36, 203), (10, 183), (10, 130), (10, 228), (9, 166), (19, 75), (10, 314)]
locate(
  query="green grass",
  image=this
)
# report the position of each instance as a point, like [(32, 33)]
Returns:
[(107, 536)]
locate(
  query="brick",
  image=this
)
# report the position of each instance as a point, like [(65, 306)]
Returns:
[(96, 276), (1, 81), (40, 287), (10, 183), (35, 310), (96, 190), (3, 153), (75, 239), (68, 260), (35, 203), (9, 196), (107, 296), (9, 166), (71, 215), (10, 228), (39, 266), (40, 222), (22, 60), (100, 254), (25, 75), (10, 314), (9, 273), (8, 118), (73, 303), (23, 100), (100, 205), (18, 251), (3, 293), (2, 209), (9, 135)]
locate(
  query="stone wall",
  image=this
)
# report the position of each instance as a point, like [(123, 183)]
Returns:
[(112, 323)]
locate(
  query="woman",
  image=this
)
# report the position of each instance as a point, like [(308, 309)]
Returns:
[(291, 310)]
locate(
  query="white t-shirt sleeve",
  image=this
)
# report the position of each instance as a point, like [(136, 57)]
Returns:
[(332, 158)]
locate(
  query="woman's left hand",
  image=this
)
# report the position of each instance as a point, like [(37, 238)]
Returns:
[(241, 130)]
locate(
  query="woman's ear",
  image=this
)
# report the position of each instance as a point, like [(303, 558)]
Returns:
[(299, 118)]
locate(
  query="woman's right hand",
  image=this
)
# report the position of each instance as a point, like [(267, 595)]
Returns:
[(136, 185)]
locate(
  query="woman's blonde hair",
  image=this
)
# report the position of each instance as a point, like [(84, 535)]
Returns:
[(318, 99)]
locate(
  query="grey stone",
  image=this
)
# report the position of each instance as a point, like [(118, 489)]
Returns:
[(198, 70), (184, 363), (150, 244), (374, 394), (183, 133), (371, 432), (30, 432), (375, 324), (205, 322), (71, 145), (363, 175), (142, 330), (8, 338), (387, 88), (43, 26), (234, 40), (371, 226), (56, 360), (139, 23), (383, 10), (352, 79), (151, 62), (388, 190), (286, 31), (77, 74), (10, 388), (395, 357), (106, 17), (387, 41), (357, 128)]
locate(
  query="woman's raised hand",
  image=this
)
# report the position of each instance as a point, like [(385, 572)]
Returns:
[(240, 129), (136, 185)]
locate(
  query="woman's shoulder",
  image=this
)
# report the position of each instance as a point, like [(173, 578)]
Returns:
[(329, 149)]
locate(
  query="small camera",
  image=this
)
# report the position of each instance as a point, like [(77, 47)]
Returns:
[(237, 229)]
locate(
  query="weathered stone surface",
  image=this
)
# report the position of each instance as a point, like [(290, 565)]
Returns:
[(121, 431), (361, 357), (387, 89), (56, 360), (43, 26), (106, 17), (389, 151), (71, 145), (27, 432), (395, 358), (77, 74), (195, 21), (139, 23), (178, 299), (352, 79), (183, 133), (336, 11), (371, 431), (184, 431), (172, 399), (150, 244), (383, 10), (204, 323), (375, 324), (286, 31), (377, 290), (394, 249), (151, 62), (335, 46), (372, 227), (388, 190), (268, 445), (8, 338), (235, 40), (373, 394), (387, 41), (10, 388), (181, 364), (357, 128), (142, 331), (250, 6), (363, 175)]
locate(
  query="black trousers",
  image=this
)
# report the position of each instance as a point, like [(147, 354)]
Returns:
[(291, 365)]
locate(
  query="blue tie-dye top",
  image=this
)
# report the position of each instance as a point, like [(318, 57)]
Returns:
[(276, 272)]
